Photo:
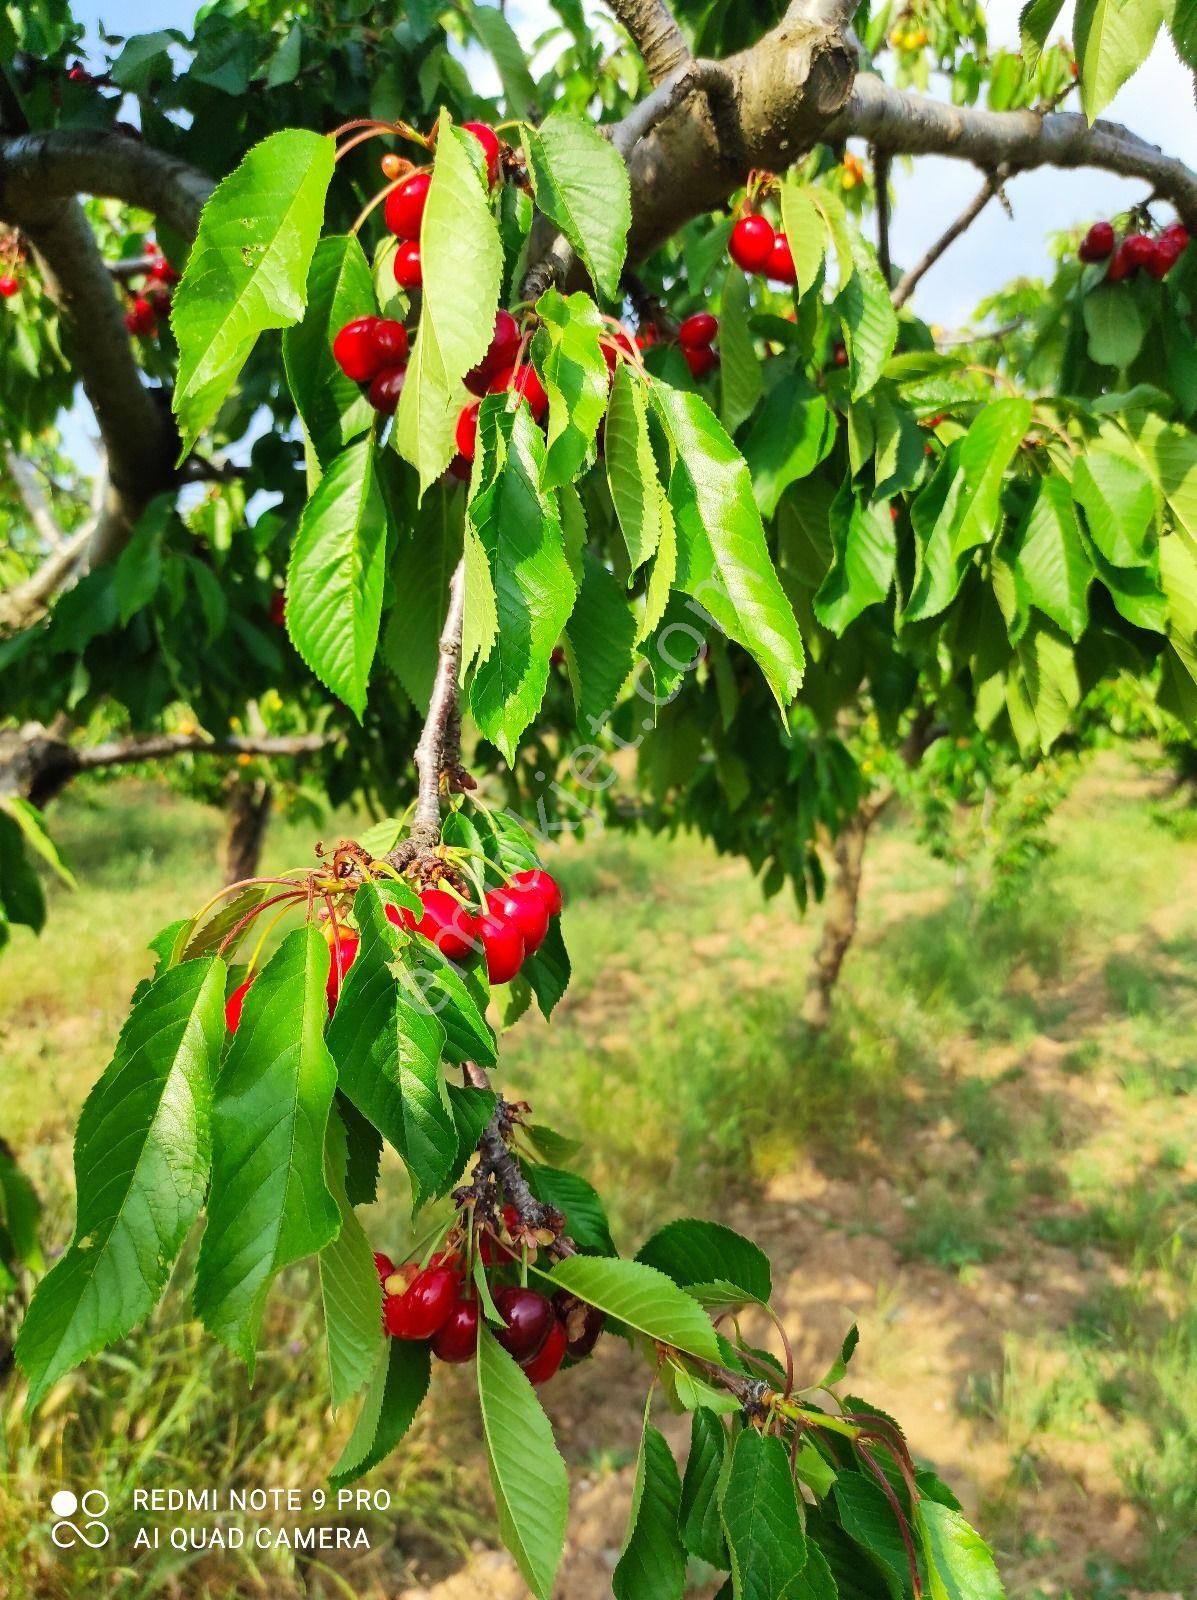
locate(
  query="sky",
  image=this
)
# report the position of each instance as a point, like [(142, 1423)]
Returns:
[(1157, 104)]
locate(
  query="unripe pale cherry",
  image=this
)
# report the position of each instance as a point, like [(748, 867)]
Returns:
[(698, 331), (403, 208), (751, 243), (544, 884), (526, 909), (552, 1353), (489, 140), (503, 945), (409, 274), (385, 389)]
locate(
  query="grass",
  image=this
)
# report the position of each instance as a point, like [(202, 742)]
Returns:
[(1020, 1074)]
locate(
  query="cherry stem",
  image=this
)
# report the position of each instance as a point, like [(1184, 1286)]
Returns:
[(265, 905)]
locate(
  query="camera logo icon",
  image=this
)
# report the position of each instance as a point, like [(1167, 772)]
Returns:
[(93, 1507)]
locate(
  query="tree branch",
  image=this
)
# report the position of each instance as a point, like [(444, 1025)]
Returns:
[(655, 33), (24, 604), (910, 280), (881, 162)]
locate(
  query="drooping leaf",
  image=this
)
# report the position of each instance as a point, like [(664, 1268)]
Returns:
[(472, 1110), (702, 1490), (333, 409), (643, 1298), (868, 1520), (575, 379), (548, 971), (581, 184), (348, 1283), (740, 376), (805, 232), (142, 1153), (985, 453), (248, 268), (864, 550), (1112, 38), (1114, 325), (32, 824), (601, 633), (389, 1406), (528, 1476), (791, 434), (501, 39), (1035, 23), (959, 1563), (1051, 560), (723, 560), (269, 1204), (335, 579), (869, 320), (631, 467), (421, 567), (1117, 498), (22, 899), (761, 1519), (652, 1564)]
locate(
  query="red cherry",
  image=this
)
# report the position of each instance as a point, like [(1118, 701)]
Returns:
[(140, 319), (457, 1340), (383, 1265), (544, 884), (9, 286), (423, 1306), (158, 294), (701, 361), (466, 433), (403, 209), (1162, 259), (525, 382), (162, 271), (409, 274), (1098, 243), (526, 909), (489, 140), (1139, 249), (582, 1324), (501, 353), (503, 944), (460, 468), (353, 349), (492, 1249), (346, 949), (390, 343), (780, 265), (233, 1005), (839, 353), (552, 1353), (445, 922), (384, 391), (278, 607), (1178, 234), (1121, 266), (697, 332), (528, 1316), (751, 243)]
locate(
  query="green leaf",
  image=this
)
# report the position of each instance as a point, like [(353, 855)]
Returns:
[(1118, 500), (1051, 560), (332, 408), (835, 219), (575, 379), (462, 262), (740, 376), (142, 1152), (693, 1251), (702, 1490), (389, 1407), (791, 434), (601, 632), (527, 1474), (804, 228), (723, 560), (421, 566), (864, 550), (578, 1202), (1114, 325), (548, 971), (631, 465), (21, 898), (1049, 680), (500, 38), (519, 528), (364, 1154), (868, 1520), (643, 1298), (1184, 31), (442, 987), (268, 1204), (335, 579), (248, 268), (959, 1563), (761, 1519), (138, 570), (869, 320), (1035, 23), (472, 1110), (32, 824), (348, 1284), (985, 453), (581, 184), (1112, 39), (652, 1564)]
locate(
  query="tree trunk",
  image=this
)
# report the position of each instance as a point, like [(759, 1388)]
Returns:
[(247, 803), (840, 917)]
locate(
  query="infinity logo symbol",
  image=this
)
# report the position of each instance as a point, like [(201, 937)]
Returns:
[(94, 1505)]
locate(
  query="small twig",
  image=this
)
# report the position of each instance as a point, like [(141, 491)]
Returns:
[(910, 281)]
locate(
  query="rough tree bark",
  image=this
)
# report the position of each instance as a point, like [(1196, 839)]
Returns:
[(842, 904), (247, 811)]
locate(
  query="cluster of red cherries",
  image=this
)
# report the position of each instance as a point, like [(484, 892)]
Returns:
[(152, 303), (437, 1303), (1154, 254), (758, 247)]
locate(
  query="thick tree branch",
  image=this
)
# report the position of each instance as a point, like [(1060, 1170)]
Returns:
[(881, 163), (910, 280), (60, 163), (655, 33)]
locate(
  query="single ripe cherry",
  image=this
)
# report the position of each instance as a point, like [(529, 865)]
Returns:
[(460, 469), (383, 1265), (158, 294), (278, 607), (526, 909), (445, 923), (500, 354), (457, 1340), (489, 140), (552, 1353), (700, 361), (409, 274), (528, 1316), (466, 433), (525, 382), (1098, 243), (403, 209), (9, 286), (1139, 249), (1179, 236), (384, 391), (544, 884), (354, 350), (341, 958), (751, 243), (780, 265), (503, 944), (390, 342), (582, 1323), (233, 1005), (419, 1305), (839, 353), (697, 331), (1161, 261), (1120, 266), (162, 271), (140, 319)]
